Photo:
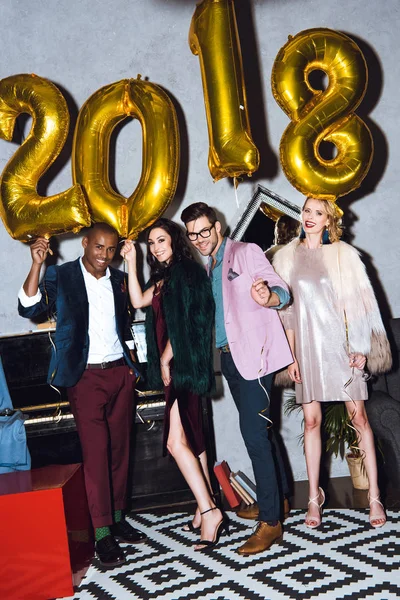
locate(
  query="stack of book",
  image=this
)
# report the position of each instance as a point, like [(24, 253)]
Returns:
[(222, 473), (235, 486), (244, 487)]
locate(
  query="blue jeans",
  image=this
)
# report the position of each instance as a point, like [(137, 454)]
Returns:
[(264, 453)]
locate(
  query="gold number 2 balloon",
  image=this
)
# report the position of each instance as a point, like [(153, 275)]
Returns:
[(322, 116), (90, 161), (214, 37), (26, 214)]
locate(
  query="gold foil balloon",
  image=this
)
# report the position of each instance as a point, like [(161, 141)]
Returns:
[(322, 116), (214, 37), (25, 214), (98, 117)]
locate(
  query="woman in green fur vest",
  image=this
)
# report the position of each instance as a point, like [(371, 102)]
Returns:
[(179, 326)]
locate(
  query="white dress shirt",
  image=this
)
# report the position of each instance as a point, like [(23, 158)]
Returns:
[(104, 345)]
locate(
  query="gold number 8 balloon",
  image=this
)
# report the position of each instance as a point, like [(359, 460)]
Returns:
[(90, 158), (326, 115), (25, 214)]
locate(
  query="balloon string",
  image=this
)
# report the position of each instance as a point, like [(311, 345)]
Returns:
[(57, 412), (125, 284), (128, 304), (353, 446), (235, 187), (266, 409)]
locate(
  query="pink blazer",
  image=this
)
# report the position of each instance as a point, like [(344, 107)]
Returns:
[(249, 326)]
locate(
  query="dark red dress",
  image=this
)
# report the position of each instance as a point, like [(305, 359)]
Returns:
[(189, 404)]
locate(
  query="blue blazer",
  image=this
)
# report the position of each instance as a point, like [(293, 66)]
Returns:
[(64, 292)]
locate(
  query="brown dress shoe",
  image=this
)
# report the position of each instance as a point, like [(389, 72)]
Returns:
[(252, 512), (262, 539)]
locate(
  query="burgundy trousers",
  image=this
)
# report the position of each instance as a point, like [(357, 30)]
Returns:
[(102, 403)]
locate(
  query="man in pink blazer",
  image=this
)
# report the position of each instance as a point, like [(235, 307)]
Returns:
[(253, 346)]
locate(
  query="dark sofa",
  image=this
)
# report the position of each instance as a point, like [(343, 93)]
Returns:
[(383, 409)]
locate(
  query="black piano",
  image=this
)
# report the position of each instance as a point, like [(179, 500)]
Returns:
[(51, 432)]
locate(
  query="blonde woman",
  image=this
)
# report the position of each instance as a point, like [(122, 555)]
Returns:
[(334, 329)]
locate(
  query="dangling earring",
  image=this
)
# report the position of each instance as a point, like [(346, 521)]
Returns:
[(325, 237), (302, 233)]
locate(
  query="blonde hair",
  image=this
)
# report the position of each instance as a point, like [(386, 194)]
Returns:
[(334, 225)]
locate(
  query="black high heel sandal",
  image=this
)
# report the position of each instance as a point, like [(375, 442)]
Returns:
[(223, 525), (189, 527)]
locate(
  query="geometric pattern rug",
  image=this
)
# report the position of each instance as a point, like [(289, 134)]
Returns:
[(343, 559)]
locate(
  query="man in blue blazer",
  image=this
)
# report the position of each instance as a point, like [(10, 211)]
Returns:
[(92, 360)]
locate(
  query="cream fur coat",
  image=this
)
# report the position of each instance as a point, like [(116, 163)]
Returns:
[(355, 298)]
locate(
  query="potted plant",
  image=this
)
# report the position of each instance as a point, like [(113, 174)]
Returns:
[(340, 437)]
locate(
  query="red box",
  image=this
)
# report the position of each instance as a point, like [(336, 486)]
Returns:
[(46, 538)]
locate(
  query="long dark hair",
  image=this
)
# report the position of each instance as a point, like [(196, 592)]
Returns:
[(180, 250), (286, 228)]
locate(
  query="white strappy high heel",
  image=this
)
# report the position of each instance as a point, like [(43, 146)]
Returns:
[(316, 501), (376, 521)]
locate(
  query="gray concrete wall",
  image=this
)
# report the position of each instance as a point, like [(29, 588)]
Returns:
[(83, 45)]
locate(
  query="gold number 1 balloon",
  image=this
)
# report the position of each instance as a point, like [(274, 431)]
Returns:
[(25, 214), (214, 37), (319, 116), (90, 161)]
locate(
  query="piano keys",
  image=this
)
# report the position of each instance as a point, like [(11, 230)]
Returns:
[(25, 358), (42, 418), (52, 438)]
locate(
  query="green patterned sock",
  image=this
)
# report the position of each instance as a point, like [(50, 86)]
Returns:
[(101, 532), (117, 516)]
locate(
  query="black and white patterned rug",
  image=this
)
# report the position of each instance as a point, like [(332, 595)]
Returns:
[(344, 559)]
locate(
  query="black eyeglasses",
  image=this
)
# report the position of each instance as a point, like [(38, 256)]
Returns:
[(204, 233)]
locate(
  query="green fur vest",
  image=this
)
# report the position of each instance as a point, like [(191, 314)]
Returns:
[(189, 308)]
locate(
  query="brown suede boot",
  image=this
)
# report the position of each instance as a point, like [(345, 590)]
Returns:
[(263, 537), (251, 511)]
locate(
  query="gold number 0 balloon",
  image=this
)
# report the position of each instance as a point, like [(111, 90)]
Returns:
[(214, 37), (26, 214), (322, 115), (97, 118)]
